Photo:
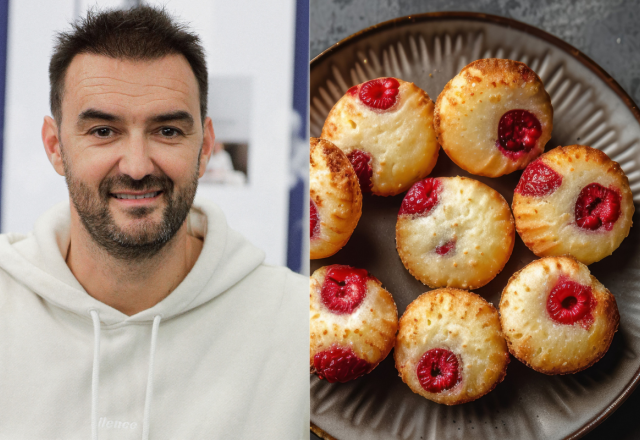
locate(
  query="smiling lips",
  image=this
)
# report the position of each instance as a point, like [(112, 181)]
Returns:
[(125, 196)]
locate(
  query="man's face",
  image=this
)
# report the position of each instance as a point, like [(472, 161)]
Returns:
[(131, 148)]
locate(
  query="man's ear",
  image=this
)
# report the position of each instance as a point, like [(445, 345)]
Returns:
[(207, 145), (51, 141)]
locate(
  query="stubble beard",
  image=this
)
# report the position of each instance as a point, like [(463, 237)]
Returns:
[(147, 238)]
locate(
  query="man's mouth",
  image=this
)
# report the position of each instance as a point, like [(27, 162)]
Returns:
[(132, 196)]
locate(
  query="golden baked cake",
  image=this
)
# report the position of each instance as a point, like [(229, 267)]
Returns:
[(353, 323), (557, 318), (450, 347), (385, 127), (335, 199), (454, 232), (573, 200), (494, 117)]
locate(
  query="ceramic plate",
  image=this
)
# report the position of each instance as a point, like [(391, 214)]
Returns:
[(589, 108)]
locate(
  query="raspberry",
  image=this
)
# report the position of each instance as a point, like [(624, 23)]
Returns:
[(344, 288), (421, 198), (438, 370), (538, 180), (380, 93), (597, 206), (340, 364), (314, 220), (353, 91), (570, 302), (361, 162), (446, 248), (518, 132)]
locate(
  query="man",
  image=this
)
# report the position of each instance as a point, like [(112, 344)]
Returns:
[(132, 311)]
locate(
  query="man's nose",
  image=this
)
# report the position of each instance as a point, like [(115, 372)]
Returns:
[(135, 161)]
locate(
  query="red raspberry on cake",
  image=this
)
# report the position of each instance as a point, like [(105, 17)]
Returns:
[(573, 200), (494, 117), (335, 199), (454, 232), (353, 323), (557, 318), (385, 127), (450, 347)]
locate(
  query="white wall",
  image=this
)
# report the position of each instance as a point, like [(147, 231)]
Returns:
[(248, 38)]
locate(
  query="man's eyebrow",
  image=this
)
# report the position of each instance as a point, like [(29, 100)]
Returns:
[(97, 114), (179, 115)]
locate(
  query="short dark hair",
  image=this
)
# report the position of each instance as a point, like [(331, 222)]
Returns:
[(140, 33)]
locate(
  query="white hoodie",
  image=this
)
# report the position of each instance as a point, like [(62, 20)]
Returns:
[(222, 357)]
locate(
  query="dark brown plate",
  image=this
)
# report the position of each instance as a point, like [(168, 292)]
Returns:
[(589, 108)]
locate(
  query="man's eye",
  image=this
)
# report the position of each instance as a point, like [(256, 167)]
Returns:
[(169, 132), (102, 132)]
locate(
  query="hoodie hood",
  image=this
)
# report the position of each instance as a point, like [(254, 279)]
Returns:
[(37, 260)]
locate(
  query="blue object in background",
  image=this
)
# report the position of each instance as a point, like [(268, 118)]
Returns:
[(299, 144), (4, 29)]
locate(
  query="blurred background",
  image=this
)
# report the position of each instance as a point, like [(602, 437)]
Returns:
[(605, 30), (257, 56)]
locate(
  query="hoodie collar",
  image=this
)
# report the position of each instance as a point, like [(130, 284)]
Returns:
[(37, 260)]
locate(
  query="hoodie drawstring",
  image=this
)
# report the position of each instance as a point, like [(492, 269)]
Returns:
[(95, 378), (147, 399)]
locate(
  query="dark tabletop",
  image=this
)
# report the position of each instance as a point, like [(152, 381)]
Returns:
[(608, 31)]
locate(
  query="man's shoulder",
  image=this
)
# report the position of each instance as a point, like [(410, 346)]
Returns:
[(275, 285), (291, 281)]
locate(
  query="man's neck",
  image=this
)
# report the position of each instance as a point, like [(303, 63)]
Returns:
[(130, 286)]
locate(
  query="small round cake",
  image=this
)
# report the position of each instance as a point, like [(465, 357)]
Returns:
[(335, 199), (450, 347), (573, 200), (494, 117), (385, 127), (353, 323), (454, 232), (557, 318)]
